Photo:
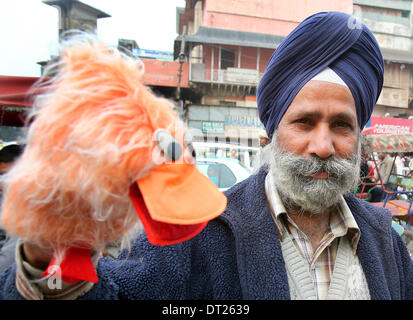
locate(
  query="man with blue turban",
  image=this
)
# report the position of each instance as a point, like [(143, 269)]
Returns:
[(293, 230), (316, 95)]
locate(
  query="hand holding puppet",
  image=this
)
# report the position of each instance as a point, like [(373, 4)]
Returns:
[(103, 153)]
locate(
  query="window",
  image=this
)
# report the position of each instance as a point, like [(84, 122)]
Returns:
[(227, 58), (226, 177), (219, 173)]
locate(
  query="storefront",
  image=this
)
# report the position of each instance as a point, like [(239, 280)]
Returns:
[(233, 125)]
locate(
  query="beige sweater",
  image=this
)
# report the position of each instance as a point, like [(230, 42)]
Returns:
[(347, 283)]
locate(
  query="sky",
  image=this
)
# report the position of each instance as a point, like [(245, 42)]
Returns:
[(29, 29)]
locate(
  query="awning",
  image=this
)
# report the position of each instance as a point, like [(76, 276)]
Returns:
[(388, 143), (15, 90), (228, 37), (16, 99)]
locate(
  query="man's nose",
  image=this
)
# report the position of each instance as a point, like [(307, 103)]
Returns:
[(321, 143)]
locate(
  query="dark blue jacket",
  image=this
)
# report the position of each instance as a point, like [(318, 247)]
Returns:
[(238, 256)]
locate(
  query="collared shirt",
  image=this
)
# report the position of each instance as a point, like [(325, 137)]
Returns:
[(321, 259)]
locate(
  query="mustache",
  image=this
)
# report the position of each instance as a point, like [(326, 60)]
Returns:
[(305, 167)]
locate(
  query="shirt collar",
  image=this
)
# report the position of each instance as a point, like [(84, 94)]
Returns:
[(278, 210)]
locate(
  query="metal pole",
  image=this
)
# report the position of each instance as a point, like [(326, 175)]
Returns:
[(181, 62)]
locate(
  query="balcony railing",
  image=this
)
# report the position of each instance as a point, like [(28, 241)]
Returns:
[(394, 97), (225, 76), (385, 18)]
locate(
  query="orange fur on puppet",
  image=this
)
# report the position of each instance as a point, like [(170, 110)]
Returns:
[(91, 138)]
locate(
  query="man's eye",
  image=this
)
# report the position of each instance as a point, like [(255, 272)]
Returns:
[(342, 124), (302, 121)]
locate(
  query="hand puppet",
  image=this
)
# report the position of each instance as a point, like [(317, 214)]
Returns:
[(103, 153)]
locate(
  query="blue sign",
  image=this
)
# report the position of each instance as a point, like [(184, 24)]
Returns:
[(154, 54), (243, 122)]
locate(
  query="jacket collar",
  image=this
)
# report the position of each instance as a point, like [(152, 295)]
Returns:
[(259, 257)]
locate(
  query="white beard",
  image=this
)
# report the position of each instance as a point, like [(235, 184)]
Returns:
[(298, 190)]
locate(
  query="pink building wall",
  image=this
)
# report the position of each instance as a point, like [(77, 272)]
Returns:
[(165, 73), (261, 16), (248, 57), (266, 16)]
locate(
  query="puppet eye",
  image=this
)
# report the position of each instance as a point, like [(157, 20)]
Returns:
[(189, 145), (171, 148)]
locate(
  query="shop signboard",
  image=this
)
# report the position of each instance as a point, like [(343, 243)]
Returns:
[(394, 126), (213, 127)]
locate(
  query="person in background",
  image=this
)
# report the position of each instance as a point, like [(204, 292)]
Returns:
[(386, 167), (406, 168), (263, 139), (367, 176), (263, 154), (398, 163), (233, 154), (411, 165), (365, 173), (212, 173), (9, 152), (8, 155)]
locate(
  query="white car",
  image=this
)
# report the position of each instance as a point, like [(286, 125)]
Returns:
[(223, 150), (224, 172)]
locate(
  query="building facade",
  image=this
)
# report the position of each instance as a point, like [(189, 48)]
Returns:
[(224, 47), (391, 23), (228, 44), (16, 96)]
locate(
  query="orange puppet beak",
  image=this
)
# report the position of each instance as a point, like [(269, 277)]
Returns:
[(175, 202)]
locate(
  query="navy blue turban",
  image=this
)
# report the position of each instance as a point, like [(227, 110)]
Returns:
[(327, 39)]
